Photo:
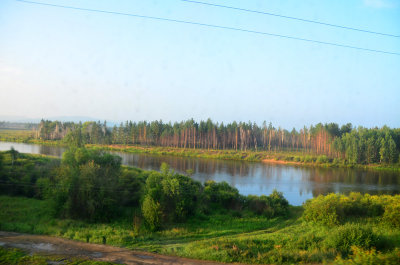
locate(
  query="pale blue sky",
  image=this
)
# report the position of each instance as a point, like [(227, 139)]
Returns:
[(62, 62)]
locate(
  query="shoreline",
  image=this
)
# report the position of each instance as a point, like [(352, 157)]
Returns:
[(247, 156)]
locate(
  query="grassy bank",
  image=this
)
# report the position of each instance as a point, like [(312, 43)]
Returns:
[(289, 158), (221, 236), (16, 256)]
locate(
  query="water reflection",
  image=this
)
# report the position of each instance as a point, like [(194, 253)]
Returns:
[(297, 183)]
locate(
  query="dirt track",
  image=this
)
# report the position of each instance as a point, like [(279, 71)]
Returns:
[(58, 246)]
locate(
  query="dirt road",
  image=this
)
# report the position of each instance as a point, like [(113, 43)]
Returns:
[(59, 246)]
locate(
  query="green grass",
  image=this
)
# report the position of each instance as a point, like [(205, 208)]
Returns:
[(15, 135), (221, 236), (16, 256)]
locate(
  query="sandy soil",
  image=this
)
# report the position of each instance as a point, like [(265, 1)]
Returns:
[(273, 161), (47, 245)]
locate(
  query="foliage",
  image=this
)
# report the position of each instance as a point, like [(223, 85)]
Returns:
[(270, 206), (391, 215), (361, 256), (169, 197), (351, 235), (221, 194), (334, 209), (86, 185), (152, 212)]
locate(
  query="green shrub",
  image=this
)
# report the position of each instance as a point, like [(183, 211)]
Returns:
[(297, 159), (332, 209), (348, 235), (391, 215), (308, 159), (361, 256), (326, 210), (273, 205), (176, 197), (221, 194), (322, 159), (151, 211)]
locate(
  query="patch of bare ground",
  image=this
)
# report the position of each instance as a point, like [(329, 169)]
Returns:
[(48, 245)]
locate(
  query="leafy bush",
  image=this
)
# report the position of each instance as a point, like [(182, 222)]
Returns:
[(221, 194), (326, 210), (322, 159), (273, 205), (391, 215), (350, 235), (174, 196), (85, 185), (332, 209), (308, 159), (151, 211)]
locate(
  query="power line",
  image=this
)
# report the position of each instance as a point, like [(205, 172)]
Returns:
[(293, 18), (211, 26)]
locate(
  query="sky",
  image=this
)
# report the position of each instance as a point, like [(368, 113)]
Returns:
[(65, 62)]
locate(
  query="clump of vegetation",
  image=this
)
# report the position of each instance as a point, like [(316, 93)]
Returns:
[(169, 197), (334, 209), (348, 235), (270, 206), (361, 256)]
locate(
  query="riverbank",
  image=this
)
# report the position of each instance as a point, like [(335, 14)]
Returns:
[(280, 157)]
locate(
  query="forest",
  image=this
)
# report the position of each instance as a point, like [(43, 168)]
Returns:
[(353, 145)]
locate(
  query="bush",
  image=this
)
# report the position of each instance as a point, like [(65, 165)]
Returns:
[(332, 209), (271, 206), (174, 196), (391, 215), (350, 235), (221, 194), (322, 159), (308, 159), (151, 211), (326, 210)]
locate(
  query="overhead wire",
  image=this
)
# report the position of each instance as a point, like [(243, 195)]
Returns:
[(290, 17), (211, 26)]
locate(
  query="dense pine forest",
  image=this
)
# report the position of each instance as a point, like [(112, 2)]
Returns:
[(354, 145)]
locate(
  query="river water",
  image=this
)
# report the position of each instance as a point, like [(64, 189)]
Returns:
[(297, 183)]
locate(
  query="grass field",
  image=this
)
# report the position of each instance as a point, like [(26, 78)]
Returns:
[(16, 135), (222, 236)]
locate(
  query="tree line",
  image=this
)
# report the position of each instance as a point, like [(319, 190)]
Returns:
[(354, 145)]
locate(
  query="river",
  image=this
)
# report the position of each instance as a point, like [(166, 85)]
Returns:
[(297, 183)]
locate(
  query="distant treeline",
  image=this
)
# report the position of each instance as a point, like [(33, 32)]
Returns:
[(353, 145), (17, 125)]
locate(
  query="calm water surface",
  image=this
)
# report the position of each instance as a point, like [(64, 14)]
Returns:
[(297, 183)]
